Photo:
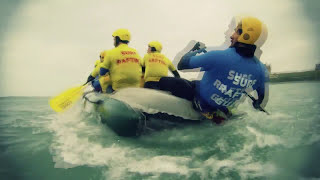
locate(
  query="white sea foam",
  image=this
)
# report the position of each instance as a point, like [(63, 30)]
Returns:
[(73, 147), (263, 139), (206, 152)]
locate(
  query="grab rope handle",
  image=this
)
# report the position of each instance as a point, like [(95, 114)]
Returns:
[(93, 102)]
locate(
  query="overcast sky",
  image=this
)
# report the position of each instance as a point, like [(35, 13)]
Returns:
[(51, 45)]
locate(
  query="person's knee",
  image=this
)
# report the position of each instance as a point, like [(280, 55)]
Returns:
[(168, 81), (165, 80), (152, 85), (164, 83)]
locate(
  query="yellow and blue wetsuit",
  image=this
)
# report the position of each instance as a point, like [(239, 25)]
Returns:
[(156, 66), (123, 64), (101, 83)]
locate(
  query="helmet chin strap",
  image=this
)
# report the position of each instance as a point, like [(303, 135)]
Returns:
[(117, 43)]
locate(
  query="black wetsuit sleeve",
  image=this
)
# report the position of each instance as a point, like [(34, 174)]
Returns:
[(90, 78), (260, 97), (263, 88), (184, 62)]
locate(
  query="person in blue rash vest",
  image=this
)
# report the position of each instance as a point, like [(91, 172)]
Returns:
[(228, 73)]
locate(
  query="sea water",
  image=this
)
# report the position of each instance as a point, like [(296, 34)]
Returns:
[(36, 143)]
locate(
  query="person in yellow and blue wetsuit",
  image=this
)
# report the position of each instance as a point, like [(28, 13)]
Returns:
[(96, 69), (123, 64), (155, 65), (103, 81), (227, 73)]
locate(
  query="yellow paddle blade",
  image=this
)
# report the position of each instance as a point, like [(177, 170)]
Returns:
[(66, 99)]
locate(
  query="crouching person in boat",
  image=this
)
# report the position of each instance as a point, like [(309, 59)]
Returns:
[(122, 64), (102, 82), (156, 65), (93, 74), (227, 73)]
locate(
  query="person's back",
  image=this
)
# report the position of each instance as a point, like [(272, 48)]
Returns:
[(227, 75), (123, 63), (156, 65), (124, 66)]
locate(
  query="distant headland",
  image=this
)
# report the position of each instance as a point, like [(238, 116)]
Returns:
[(311, 75)]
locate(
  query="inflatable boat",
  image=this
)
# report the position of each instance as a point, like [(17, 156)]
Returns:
[(132, 111)]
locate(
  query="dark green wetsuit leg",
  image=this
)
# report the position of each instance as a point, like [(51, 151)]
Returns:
[(178, 87)]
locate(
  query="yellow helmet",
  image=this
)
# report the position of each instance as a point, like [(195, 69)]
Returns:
[(102, 54), (156, 44), (123, 34), (252, 30)]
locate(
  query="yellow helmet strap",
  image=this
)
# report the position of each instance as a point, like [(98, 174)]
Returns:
[(153, 49), (118, 41)]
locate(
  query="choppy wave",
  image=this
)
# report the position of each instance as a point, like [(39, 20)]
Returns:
[(283, 145)]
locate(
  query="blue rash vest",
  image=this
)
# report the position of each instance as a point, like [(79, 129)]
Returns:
[(227, 75)]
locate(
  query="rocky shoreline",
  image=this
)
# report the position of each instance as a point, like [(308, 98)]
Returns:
[(295, 76)]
